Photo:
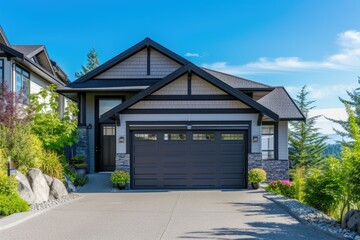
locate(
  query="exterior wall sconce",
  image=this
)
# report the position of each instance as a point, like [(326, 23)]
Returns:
[(89, 126), (255, 138), (121, 139)]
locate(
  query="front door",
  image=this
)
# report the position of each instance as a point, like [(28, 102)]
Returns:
[(107, 147), (105, 140)]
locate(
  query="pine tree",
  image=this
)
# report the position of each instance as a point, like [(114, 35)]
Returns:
[(306, 145), (354, 103), (93, 62)]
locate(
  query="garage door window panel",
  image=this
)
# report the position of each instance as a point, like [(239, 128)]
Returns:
[(145, 136), (232, 136), (203, 136), (174, 136)]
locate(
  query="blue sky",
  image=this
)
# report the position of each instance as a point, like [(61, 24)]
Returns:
[(276, 42)]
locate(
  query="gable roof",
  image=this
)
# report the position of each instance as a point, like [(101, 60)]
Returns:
[(28, 50), (198, 71), (282, 104), (3, 38), (147, 42), (234, 81)]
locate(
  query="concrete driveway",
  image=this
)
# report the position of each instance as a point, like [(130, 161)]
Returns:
[(165, 215)]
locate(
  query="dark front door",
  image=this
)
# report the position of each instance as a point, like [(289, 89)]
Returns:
[(188, 159), (107, 147), (105, 139)]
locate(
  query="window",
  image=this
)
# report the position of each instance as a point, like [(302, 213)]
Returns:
[(232, 136), (108, 130), (268, 142), (22, 83), (174, 136), (106, 104), (145, 136), (204, 136), (1, 75)]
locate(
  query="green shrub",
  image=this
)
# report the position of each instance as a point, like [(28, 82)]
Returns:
[(76, 179), (80, 180), (3, 162), (257, 175), (51, 165), (10, 204), (120, 177), (325, 189), (299, 182), (24, 148), (282, 187), (8, 185)]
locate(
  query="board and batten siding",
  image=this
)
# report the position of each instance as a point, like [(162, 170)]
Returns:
[(136, 66), (121, 130), (283, 140)]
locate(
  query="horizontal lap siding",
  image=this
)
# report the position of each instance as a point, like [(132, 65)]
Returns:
[(283, 140), (223, 104)]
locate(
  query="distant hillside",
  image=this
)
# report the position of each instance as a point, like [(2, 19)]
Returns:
[(333, 150)]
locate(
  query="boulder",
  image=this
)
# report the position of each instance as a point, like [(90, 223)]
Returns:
[(49, 179), (57, 189), (69, 185), (352, 221), (24, 188), (39, 185)]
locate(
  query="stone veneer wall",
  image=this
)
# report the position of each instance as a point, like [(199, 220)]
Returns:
[(122, 162), (276, 169), (82, 147)]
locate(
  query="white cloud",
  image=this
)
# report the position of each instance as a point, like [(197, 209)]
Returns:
[(188, 54), (326, 126), (317, 92), (347, 57)]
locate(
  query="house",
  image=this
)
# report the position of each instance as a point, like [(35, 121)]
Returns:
[(26, 69), (173, 124)]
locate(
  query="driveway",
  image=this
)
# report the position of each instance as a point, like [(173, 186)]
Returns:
[(165, 215)]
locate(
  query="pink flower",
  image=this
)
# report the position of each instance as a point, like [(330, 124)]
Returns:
[(286, 182)]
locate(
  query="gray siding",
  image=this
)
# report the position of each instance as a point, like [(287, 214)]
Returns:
[(201, 87), (136, 66), (227, 104), (283, 140), (177, 87)]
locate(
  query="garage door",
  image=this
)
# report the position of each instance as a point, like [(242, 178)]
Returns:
[(188, 159)]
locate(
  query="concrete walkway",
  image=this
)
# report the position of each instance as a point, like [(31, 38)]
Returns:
[(165, 215), (98, 183)]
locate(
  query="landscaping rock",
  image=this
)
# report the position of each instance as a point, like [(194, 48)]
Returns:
[(49, 179), (352, 221), (24, 188), (57, 189), (39, 185), (70, 186)]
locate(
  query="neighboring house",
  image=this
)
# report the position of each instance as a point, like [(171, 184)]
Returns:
[(172, 124), (26, 69)]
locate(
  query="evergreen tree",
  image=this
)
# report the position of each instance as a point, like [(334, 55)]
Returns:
[(92, 63), (354, 103), (306, 145)]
